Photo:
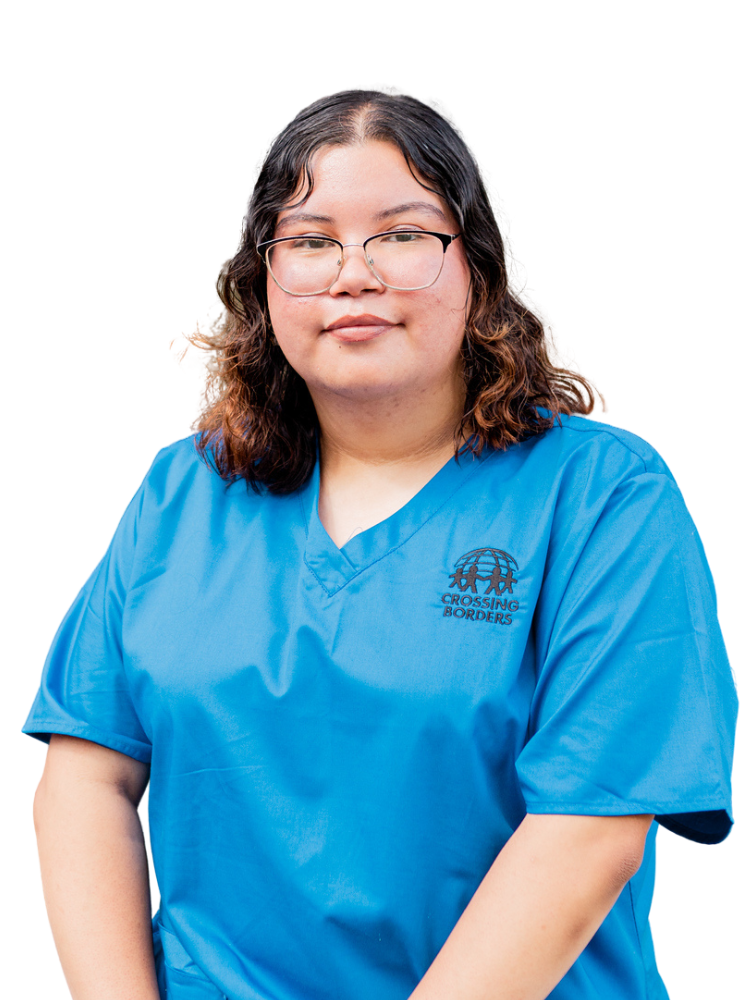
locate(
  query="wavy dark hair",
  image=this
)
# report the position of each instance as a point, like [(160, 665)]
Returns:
[(259, 422)]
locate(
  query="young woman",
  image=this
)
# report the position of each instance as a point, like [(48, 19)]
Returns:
[(414, 659)]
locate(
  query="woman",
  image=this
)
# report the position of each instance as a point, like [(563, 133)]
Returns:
[(414, 659)]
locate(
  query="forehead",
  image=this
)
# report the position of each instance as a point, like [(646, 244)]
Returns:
[(368, 182)]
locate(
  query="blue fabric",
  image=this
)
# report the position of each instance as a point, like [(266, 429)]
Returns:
[(341, 741)]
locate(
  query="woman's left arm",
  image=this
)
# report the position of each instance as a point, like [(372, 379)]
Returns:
[(537, 908)]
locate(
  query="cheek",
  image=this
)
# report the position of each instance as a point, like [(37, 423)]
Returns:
[(448, 309), (454, 286), (291, 320), (278, 306)]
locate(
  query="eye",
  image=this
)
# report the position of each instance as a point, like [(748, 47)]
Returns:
[(310, 243), (405, 237)]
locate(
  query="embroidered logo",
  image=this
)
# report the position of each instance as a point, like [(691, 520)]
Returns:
[(492, 567)]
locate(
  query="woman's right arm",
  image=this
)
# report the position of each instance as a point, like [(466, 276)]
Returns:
[(95, 870)]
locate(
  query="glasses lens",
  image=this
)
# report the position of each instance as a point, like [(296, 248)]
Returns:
[(305, 266), (404, 260)]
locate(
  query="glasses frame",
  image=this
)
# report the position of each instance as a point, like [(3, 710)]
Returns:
[(445, 238)]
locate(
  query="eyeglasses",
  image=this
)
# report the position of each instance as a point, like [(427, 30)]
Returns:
[(404, 259)]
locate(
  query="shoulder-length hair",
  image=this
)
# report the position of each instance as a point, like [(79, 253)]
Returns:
[(259, 422)]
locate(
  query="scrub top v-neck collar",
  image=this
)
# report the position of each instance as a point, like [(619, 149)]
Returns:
[(334, 567)]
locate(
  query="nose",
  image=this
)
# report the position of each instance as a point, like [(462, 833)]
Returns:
[(355, 277)]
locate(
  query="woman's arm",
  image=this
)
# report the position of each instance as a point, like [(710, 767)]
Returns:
[(95, 870), (537, 908)]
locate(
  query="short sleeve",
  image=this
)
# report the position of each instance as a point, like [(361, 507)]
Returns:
[(84, 689), (635, 705)]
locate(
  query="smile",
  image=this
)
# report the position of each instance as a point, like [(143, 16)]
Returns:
[(354, 334)]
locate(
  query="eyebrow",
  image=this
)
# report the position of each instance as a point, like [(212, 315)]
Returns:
[(388, 213)]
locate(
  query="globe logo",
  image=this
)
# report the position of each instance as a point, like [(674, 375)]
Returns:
[(491, 566)]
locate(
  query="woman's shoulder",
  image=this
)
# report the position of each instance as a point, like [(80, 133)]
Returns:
[(183, 478), (183, 464), (181, 454), (575, 443), (173, 467)]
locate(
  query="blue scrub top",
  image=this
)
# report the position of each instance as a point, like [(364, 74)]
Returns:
[(342, 740)]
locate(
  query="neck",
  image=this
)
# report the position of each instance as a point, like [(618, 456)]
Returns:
[(387, 431)]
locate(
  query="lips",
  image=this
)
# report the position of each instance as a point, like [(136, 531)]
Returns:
[(357, 328)]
